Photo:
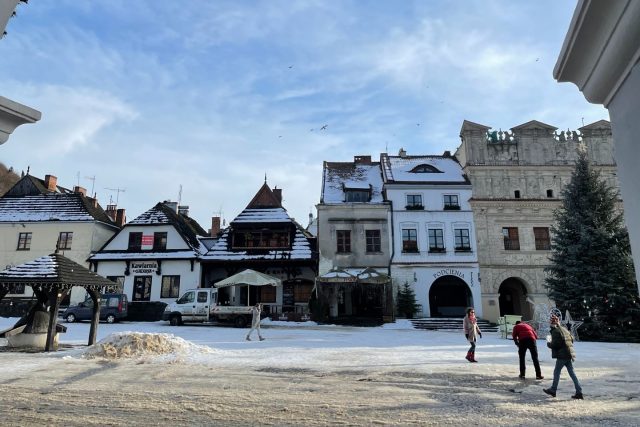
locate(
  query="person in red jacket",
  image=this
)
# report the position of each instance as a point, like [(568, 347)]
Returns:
[(524, 336)]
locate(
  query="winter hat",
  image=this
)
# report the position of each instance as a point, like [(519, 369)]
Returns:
[(554, 319)]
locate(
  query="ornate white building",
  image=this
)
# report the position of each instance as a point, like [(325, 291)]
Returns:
[(434, 245)]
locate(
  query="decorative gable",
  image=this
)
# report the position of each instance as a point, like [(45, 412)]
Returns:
[(533, 124)]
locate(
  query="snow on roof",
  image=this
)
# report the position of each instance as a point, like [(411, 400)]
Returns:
[(407, 169), (45, 266), (263, 215), (339, 176), (49, 207), (153, 216), (300, 250), (113, 256)]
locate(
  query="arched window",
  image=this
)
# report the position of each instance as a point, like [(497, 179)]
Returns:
[(425, 168)]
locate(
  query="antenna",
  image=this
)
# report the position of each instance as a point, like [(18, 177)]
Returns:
[(78, 178), (90, 178), (118, 191), (180, 196)]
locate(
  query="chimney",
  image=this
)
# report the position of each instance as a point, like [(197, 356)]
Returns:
[(80, 190), (447, 154), (171, 205), (402, 153), (51, 182), (278, 193), (215, 226), (93, 201), (362, 160), (111, 212), (120, 218), (310, 218), (183, 210)]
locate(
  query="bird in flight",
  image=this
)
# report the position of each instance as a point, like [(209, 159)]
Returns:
[(324, 127)]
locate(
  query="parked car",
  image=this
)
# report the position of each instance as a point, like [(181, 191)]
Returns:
[(113, 307)]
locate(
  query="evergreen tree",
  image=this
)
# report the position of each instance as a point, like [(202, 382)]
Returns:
[(406, 301), (591, 272)]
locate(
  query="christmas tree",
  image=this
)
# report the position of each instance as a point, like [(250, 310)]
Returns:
[(406, 301), (591, 272)]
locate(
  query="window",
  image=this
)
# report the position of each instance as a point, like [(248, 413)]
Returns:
[(550, 194), (373, 240), (268, 294), (414, 201), (462, 240), (64, 240), (187, 297), (117, 287), (436, 240), (516, 194), (543, 242), (203, 296), (261, 239), (425, 169), (24, 241), (135, 241), (344, 241), (160, 241), (302, 292), (141, 288), (170, 287), (356, 196), (451, 202), (409, 240), (17, 290), (511, 239)]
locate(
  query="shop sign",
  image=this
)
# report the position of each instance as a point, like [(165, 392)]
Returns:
[(144, 267)]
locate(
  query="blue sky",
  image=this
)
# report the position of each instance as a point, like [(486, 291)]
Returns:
[(152, 95)]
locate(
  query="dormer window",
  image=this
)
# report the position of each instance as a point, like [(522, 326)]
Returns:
[(425, 168), (357, 195)]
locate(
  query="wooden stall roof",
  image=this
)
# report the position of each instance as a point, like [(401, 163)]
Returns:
[(51, 271)]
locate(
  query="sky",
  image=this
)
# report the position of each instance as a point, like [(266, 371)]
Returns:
[(199, 101)]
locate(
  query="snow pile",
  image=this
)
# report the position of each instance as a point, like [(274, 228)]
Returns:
[(131, 345)]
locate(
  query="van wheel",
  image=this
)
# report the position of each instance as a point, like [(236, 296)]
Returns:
[(241, 322), (175, 320), (70, 318), (111, 318)]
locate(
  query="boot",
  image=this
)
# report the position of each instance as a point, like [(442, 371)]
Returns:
[(577, 396), (469, 357), (473, 357)]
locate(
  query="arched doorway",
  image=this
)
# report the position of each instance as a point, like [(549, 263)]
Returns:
[(449, 296), (513, 298)]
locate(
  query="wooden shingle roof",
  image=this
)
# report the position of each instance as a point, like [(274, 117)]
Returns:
[(50, 271)]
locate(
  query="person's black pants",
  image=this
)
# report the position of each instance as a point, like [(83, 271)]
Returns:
[(523, 346)]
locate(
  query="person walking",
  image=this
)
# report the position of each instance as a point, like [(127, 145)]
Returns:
[(256, 312), (561, 345), (471, 331), (524, 336)]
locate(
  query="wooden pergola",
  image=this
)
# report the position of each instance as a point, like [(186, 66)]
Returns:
[(51, 277)]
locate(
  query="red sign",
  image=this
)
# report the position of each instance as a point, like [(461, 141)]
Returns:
[(147, 241)]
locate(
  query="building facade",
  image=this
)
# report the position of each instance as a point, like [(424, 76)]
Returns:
[(263, 237), (517, 180), (154, 257), (433, 234), (38, 218), (354, 229)]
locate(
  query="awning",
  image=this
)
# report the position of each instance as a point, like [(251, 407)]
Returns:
[(371, 275), (249, 277), (337, 275)]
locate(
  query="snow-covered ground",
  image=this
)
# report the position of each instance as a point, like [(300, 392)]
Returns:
[(306, 374)]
